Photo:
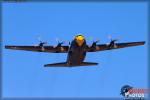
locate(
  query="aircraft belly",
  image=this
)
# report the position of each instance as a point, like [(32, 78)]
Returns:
[(76, 56)]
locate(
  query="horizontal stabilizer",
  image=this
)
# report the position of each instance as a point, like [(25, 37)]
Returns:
[(64, 64), (88, 63)]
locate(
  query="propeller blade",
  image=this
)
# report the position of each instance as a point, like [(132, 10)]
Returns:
[(57, 39), (109, 37), (107, 44), (60, 41), (98, 40), (94, 42), (39, 39), (91, 38)]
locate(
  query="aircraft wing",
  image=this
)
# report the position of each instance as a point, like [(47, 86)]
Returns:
[(103, 47), (51, 49)]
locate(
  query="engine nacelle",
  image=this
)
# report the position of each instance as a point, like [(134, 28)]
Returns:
[(112, 44)]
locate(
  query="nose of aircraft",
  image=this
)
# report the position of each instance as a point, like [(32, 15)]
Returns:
[(79, 39)]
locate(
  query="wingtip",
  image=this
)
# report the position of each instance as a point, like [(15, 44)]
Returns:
[(46, 65), (6, 46), (143, 42), (9, 47)]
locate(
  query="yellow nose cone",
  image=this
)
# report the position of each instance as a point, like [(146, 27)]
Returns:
[(79, 39)]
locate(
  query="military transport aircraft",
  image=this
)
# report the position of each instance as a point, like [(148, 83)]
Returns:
[(76, 50)]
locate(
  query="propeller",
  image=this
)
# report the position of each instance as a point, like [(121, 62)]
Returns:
[(94, 42), (59, 43), (41, 43), (112, 43), (110, 37)]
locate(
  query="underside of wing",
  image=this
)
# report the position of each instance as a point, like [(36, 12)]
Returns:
[(51, 49), (103, 47)]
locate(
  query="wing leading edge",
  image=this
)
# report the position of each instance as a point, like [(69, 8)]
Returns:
[(103, 47), (51, 49)]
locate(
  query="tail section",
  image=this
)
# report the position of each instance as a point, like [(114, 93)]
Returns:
[(64, 64), (88, 64)]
